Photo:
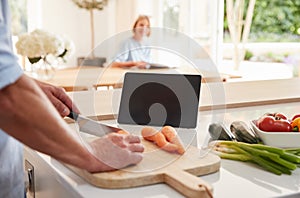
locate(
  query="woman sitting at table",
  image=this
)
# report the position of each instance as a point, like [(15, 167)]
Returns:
[(134, 51)]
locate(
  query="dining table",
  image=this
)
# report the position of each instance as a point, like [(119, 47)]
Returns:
[(81, 78)]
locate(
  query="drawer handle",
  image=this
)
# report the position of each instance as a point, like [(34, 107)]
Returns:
[(29, 181)]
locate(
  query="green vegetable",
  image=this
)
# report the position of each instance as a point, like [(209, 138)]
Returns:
[(276, 160), (260, 161), (218, 131), (294, 151), (279, 167), (243, 133), (239, 157), (284, 153), (291, 157), (269, 148)]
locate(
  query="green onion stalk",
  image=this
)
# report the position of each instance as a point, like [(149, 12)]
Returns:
[(276, 160)]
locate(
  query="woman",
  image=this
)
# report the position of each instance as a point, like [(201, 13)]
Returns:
[(134, 51)]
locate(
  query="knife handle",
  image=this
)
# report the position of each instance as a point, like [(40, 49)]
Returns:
[(73, 115)]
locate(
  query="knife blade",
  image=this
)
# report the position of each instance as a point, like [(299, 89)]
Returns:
[(92, 127)]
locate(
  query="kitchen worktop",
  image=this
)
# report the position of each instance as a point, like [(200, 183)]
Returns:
[(234, 179)]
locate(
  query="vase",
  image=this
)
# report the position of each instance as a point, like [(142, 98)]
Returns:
[(43, 70)]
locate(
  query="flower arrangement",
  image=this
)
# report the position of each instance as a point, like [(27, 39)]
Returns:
[(41, 44)]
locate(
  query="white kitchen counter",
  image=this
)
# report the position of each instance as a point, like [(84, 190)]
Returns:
[(235, 179)]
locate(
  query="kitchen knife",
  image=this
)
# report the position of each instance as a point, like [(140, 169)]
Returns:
[(92, 127)]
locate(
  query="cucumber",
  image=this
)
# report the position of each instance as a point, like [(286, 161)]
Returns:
[(243, 133)]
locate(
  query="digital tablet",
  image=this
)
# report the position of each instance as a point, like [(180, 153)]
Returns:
[(160, 99)]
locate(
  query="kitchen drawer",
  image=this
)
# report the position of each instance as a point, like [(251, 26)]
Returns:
[(44, 181)]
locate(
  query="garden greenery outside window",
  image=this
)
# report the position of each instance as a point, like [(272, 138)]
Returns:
[(273, 22)]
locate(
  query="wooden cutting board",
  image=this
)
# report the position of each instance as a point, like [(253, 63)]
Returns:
[(159, 166)]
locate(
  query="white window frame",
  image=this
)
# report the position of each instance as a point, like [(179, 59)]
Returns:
[(188, 17), (34, 14)]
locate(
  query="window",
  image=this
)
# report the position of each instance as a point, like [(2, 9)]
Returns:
[(24, 21), (171, 14), (201, 20), (19, 16)]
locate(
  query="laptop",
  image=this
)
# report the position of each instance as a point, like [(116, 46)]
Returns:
[(156, 99)]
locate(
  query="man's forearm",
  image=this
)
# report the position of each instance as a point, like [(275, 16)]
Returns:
[(122, 64), (28, 115)]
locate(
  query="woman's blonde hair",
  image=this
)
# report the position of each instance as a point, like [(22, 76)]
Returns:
[(141, 17)]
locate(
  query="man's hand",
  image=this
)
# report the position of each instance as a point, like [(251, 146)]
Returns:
[(141, 64), (58, 98), (116, 151)]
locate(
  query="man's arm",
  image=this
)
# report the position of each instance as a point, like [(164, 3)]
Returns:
[(28, 115), (58, 98), (138, 64)]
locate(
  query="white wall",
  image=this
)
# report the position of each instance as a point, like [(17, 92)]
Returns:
[(127, 12), (124, 14), (64, 17)]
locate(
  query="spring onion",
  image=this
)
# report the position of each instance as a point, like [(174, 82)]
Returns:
[(276, 160)]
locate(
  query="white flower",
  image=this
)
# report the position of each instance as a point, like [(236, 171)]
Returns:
[(39, 44), (69, 49)]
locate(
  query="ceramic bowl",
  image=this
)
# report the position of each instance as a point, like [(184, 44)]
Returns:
[(278, 139)]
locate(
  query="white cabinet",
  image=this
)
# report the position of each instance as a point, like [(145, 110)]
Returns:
[(45, 181)]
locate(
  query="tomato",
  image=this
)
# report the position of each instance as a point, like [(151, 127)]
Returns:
[(279, 116), (270, 124), (296, 116)]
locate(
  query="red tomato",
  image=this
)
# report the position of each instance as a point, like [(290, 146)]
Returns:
[(279, 116), (295, 116), (270, 124)]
